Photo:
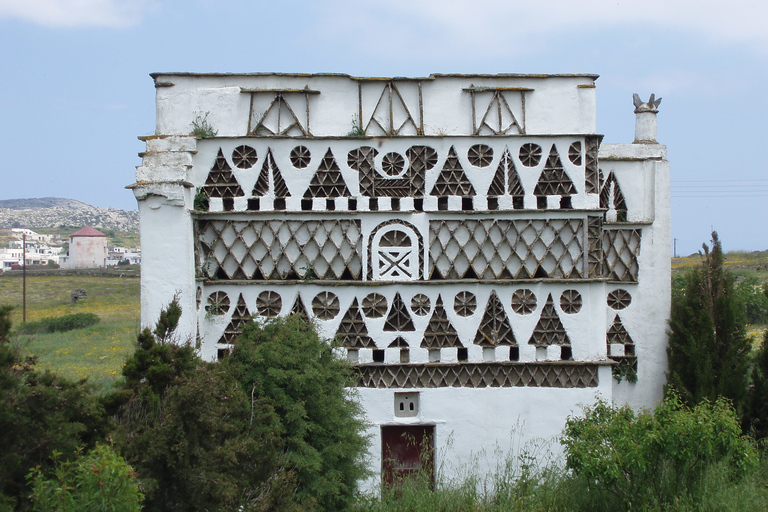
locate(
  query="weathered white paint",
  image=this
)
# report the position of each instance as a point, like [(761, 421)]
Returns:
[(559, 111)]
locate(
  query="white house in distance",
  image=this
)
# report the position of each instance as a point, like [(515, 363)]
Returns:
[(87, 249), (484, 259)]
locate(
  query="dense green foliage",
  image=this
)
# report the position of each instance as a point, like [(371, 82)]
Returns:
[(271, 428), (289, 368), (655, 458), (756, 420), (60, 324), (753, 298), (678, 459), (708, 349), (39, 413), (98, 480)]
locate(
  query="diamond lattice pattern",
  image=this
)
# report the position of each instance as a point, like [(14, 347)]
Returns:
[(621, 247), (281, 249), (506, 249)]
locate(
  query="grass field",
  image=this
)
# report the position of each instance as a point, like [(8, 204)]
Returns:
[(97, 352)]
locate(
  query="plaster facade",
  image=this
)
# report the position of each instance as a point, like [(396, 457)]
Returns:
[(467, 237), (87, 249)]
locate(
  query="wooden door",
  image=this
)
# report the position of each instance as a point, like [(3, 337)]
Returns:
[(406, 450)]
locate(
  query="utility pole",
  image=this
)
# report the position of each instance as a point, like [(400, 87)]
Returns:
[(24, 277), (674, 250)]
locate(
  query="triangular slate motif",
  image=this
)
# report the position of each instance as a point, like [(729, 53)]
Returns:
[(221, 182), (617, 334), (498, 184), (554, 181), (398, 342), (495, 328), (619, 204), (440, 333), (299, 308), (352, 331), (261, 187), (240, 317), (398, 319), (327, 181), (549, 329), (452, 181)]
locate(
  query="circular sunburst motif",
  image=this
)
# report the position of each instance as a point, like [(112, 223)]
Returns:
[(269, 304), (325, 305), (244, 157), (480, 155), (420, 304), (523, 302), (465, 303), (570, 301), (374, 305), (574, 153), (619, 299), (392, 164), (300, 157), (530, 154), (218, 303)]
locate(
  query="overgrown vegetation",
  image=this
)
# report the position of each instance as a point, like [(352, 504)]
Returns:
[(98, 480), (40, 413), (271, 428), (201, 128), (674, 459), (708, 347), (59, 324)]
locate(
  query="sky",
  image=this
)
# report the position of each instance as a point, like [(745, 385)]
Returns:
[(75, 90)]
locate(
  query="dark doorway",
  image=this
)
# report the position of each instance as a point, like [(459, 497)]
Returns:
[(406, 450)]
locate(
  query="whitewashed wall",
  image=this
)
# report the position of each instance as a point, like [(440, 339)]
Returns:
[(284, 166)]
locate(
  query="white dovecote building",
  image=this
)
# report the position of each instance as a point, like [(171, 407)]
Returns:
[(486, 261)]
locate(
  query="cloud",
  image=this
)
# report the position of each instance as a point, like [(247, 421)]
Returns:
[(485, 24), (76, 13)]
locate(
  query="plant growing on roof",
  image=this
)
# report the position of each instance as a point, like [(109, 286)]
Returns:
[(201, 128)]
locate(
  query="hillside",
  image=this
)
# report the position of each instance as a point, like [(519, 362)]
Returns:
[(55, 211)]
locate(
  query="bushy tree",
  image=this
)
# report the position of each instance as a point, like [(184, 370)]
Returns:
[(756, 419), (98, 480), (288, 367), (40, 413), (651, 460), (198, 440), (708, 348)]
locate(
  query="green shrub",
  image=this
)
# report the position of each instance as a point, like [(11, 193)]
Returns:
[(708, 349), (40, 412), (286, 365), (656, 459), (99, 480), (60, 324), (199, 440)]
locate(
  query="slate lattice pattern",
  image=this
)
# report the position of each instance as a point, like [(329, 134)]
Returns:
[(591, 172), (281, 249), (621, 247), (221, 182), (506, 249), (553, 180), (452, 181), (440, 333), (549, 329), (352, 331), (327, 181), (240, 317), (478, 375), (495, 328)]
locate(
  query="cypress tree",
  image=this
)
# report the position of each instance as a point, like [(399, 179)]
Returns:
[(708, 348)]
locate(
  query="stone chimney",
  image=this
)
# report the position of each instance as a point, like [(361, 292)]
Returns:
[(645, 120)]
